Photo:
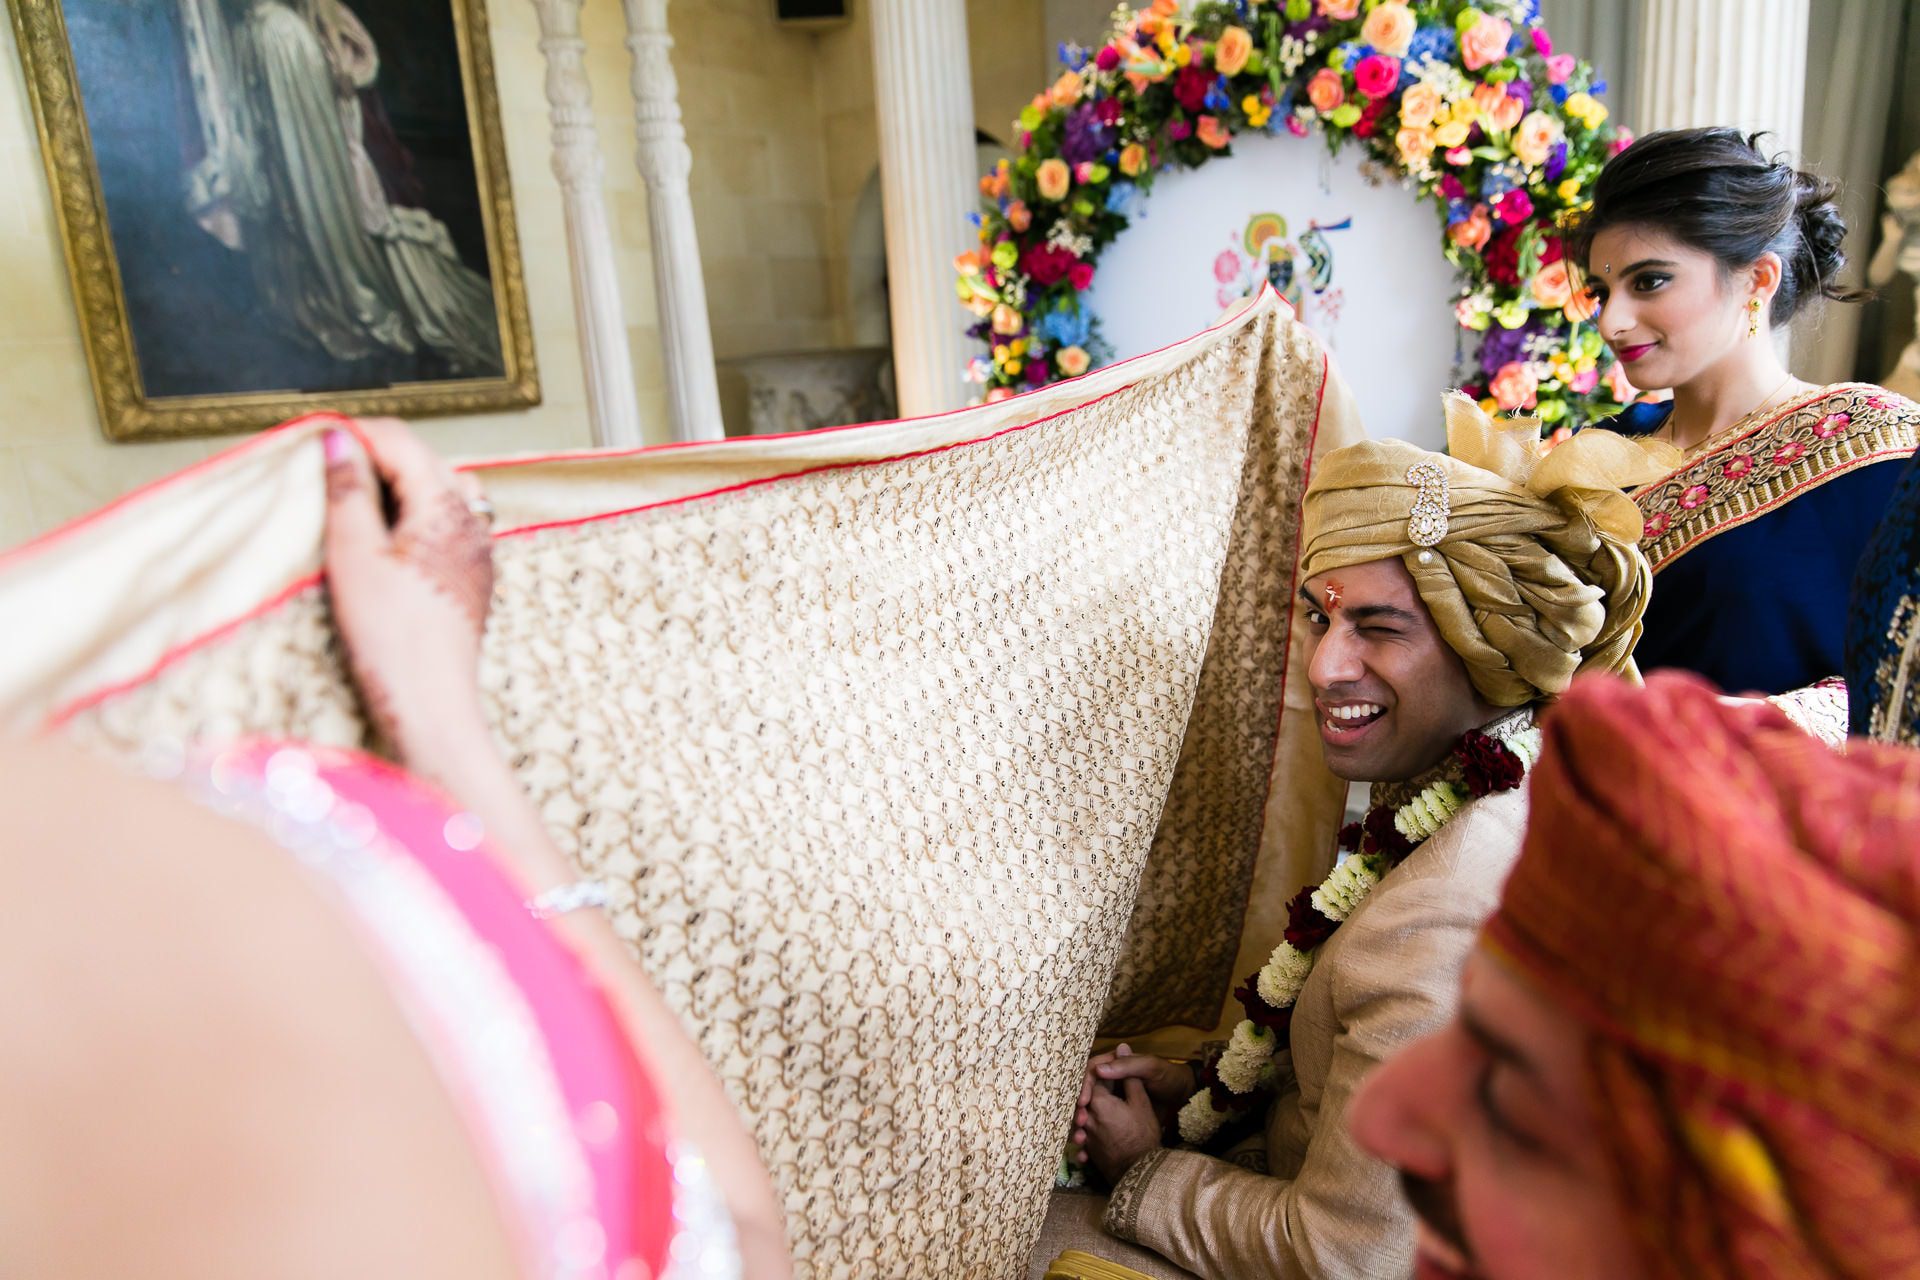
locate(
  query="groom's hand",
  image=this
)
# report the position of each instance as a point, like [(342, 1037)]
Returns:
[(1121, 1128)]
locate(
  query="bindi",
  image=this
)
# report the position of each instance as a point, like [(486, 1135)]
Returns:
[(1333, 596)]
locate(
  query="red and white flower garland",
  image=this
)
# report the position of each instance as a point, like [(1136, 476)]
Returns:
[(1481, 764)]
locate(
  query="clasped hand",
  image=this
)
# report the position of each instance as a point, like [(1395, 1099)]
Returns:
[(1126, 1101)]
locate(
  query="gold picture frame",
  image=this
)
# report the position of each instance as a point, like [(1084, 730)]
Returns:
[(155, 392)]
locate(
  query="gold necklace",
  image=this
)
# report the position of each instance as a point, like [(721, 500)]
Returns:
[(1731, 428)]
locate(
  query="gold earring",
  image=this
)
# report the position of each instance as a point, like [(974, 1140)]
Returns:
[(1753, 317)]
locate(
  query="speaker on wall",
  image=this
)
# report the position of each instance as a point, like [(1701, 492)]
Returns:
[(812, 13)]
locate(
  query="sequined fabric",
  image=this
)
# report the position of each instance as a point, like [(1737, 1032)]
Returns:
[(910, 752), (1883, 623)]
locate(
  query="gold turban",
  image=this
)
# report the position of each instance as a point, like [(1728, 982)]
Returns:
[(1534, 574)]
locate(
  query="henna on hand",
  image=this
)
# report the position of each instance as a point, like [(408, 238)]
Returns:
[(449, 546)]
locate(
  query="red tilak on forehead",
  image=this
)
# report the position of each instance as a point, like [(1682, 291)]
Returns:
[(1333, 595)]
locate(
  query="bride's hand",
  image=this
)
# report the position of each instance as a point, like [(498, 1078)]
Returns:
[(410, 598)]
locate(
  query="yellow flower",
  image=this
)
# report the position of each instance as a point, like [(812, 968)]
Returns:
[(1587, 109), (1415, 145), (1183, 55), (1133, 159), (1452, 134), (1534, 139), (1231, 50), (1568, 189), (1000, 354), (1016, 348), (1165, 41)]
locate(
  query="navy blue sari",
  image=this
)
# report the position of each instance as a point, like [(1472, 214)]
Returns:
[(1754, 542)]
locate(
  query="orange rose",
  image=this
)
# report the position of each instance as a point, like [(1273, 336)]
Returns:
[(1416, 145), (1552, 286), (1019, 217), (1389, 29), (1005, 320), (1073, 361), (1419, 104), (1516, 386), (1231, 50), (1340, 10), (1472, 231), (1053, 178), (1133, 159), (1212, 132), (1496, 108), (1581, 307), (1066, 90), (1533, 140), (1325, 91)]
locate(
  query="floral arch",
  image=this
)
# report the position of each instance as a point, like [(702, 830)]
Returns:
[(1467, 102)]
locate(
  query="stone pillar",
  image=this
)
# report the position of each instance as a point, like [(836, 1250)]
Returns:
[(928, 185), (693, 387), (1733, 62), (613, 409)]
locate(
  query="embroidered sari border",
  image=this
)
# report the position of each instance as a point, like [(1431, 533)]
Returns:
[(1835, 431)]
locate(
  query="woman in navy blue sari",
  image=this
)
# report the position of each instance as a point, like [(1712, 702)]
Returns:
[(1698, 249)]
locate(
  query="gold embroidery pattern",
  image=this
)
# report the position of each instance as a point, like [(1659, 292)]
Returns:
[(1832, 432)]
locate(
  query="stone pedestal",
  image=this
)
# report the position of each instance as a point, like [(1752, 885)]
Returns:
[(928, 185), (613, 409), (693, 391)]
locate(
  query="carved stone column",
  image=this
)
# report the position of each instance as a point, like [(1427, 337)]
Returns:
[(927, 186), (613, 408), (693, 387), (1733, 62)]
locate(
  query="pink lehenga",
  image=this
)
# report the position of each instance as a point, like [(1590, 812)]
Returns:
[(570, 1127)]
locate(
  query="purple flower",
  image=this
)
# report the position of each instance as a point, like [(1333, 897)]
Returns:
[(1502, 347), (1452, 189), (1556, 162), (1522, 90), (1084, 138)]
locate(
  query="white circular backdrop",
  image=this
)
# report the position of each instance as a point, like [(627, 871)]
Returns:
[(1361, 262)]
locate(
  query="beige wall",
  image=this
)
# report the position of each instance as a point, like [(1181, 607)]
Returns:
[(782, 127)]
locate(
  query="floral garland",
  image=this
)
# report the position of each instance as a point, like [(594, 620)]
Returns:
[(1467, 101), (1244, 1073)]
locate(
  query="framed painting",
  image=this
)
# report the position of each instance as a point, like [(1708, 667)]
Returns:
[(275, 206)]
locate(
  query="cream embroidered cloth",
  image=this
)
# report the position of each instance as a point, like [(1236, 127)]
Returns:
[(915, 752)]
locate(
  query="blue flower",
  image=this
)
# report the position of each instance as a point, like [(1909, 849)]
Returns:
[(1351, 52), (1217, 99), (974, 218), (1597, 88), (1118, 195), (1433, 42), (1560, 93), (1073, 55), (1458, 211), (1070, 328)]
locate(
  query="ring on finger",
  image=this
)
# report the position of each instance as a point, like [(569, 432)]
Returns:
[(482, 508)]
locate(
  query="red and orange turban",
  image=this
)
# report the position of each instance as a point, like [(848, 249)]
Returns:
[(1736, 910)]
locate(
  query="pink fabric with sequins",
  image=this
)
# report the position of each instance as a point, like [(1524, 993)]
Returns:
[(571, 1128)]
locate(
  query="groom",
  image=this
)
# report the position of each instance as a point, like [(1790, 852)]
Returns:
[(1449, 597)]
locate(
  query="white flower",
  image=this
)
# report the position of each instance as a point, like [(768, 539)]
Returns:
[(1427, 812), (1014, 291), (1344, 889), (1283, 975), (1198, 1120), (1526, 744), (1245, 1058)]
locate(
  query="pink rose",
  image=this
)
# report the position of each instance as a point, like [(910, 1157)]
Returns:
[(1617, 385), (1296, 126), (1083, 172), (1340, 10), (1377, 75), (1516, 386), (1325, 91), (1513, 207), (1584, 382), (1485, 42), (1179, 130), (1080, 275), (1542, 42), (1560, 68), (1389, 28), (1621, 141), (1107, 59)]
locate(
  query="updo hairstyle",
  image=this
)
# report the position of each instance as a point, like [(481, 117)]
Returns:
[(1713, 190)]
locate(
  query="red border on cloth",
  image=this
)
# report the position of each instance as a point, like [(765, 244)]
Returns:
[(92, 699)]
